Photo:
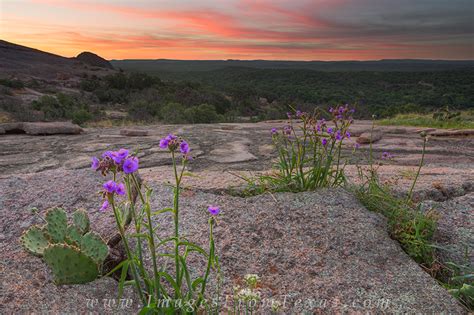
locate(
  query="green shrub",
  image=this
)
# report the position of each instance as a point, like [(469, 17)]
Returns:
[(89, 85), (50, 106), (144, 111), (81, 116), (12, 83), (202, 114), (173, 113), (62, 106)]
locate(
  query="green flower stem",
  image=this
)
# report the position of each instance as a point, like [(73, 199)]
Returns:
[(138, 230), (371, 163), (410, 194), (151, 239), (211, 256), (127, 250), (176, 222)]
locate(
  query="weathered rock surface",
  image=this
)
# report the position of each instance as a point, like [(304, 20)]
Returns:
[(455, 228), (42, 128), (45, 171), (134, 132), (368, 137), (51, 128), (452, 133), (94, 60), (322, 248)]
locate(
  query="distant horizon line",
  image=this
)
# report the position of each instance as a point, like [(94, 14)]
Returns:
[(285, 60)]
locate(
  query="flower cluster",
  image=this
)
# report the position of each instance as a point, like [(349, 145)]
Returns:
[(341, 117), (173, 143), (342, 113), (115, 162), (110, 188)]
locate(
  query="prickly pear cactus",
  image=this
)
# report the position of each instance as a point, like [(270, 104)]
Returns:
[(57, 224), (34, 240), (69, 265), (80, 220), (73, 236), (73, 253), (94, 246)]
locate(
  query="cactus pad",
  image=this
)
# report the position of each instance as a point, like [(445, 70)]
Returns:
[(57, 224), (74, 236), (93, 246), (69, 265), (34, 240), (81, 220)]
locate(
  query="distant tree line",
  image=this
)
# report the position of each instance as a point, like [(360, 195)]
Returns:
[(230, 93)]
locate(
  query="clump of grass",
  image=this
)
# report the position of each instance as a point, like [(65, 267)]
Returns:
[(412, 228), (461, 283), (465, 120)]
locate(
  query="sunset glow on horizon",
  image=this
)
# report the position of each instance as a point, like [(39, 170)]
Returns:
[(244, 29)]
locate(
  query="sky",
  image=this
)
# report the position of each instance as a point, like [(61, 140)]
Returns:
[(244, 29)]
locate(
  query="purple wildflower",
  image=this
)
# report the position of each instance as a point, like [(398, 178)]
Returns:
[(184, 147), (107, 154), (324, 141), (330, 131), (130, 165), (171, 137), (348, 134), (169, 142), (110, 186), (164, 143), (105, 206), (119, 155), (338, 135), (95, 163), (214, 210), (387, 156), (331, 109), (274, 131), (120, 189), (299, 113), (356, 146)]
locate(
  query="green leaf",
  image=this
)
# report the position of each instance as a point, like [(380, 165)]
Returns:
[(123, 276), (187, 276), (193, 247), (171, 281), (162, 211), (166, 240), (197, 282), (190, 174), (116, 268)]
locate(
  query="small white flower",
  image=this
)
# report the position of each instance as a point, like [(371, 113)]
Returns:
[(251, 279)]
